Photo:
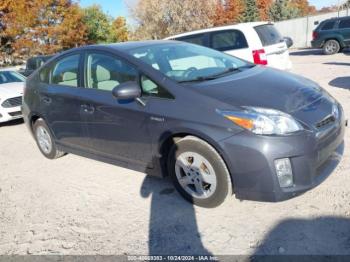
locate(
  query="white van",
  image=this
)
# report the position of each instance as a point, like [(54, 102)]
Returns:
[(257, 42)]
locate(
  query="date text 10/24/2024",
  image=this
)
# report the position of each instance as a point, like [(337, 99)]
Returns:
[(173, 258)]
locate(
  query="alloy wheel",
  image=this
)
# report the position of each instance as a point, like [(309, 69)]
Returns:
[(44, 139), (196, 175)]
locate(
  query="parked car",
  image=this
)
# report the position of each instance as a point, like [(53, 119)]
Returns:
[(213, 122), (11, 92), (256, 42), (33, 64), (333, 35)]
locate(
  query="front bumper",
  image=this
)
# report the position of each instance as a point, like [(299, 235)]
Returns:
[(250, 159), (8, 114)]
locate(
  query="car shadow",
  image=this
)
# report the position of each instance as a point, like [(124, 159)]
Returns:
[(328, 235), (173, 228), (306, 52), (12, 123), (310, 51), (337, 63), (341, 82)]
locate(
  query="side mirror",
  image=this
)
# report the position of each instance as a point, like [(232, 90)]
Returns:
[(316, 22), (127, 91), (289, 41)]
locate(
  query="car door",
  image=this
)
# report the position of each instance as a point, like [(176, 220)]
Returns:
[(344, 30), (60, 96), (116, 129)]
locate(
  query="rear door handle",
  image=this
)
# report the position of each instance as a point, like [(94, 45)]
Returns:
[(88, 109), (46, 100)]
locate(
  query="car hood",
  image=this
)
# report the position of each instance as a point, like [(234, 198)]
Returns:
[(11, 89), (263, 87)]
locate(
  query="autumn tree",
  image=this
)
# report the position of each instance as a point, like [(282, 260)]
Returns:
[(119, 31), (264, 7), (98, 24), (228, 12), (41, 26), (251, 12), (328, 9), (156, 19), (346, 4), (303, 7), (282, 10)]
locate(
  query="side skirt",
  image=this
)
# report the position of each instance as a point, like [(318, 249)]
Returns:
[(125, 164)]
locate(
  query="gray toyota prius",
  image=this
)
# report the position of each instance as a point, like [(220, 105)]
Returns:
[(217, 125)]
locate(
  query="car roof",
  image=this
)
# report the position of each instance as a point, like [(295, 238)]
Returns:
[(241, 26), (336, 18), (123, 46)]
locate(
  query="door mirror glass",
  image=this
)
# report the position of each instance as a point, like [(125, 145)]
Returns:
[(127, 91)]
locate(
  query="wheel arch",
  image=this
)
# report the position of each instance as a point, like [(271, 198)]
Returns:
[(336, 38), (169, 139), (35, 117)]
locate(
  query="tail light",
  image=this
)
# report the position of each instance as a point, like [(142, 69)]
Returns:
[(314, 35), (260, 57)]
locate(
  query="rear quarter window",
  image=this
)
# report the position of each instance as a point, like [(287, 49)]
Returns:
[(328, 25), (228, 40), (268, 34), (198, 39)]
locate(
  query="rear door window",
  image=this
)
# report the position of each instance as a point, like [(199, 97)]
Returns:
[(66, 71), (268, 34), (344, 24), (198, 39), (328, 25), (228, 40)]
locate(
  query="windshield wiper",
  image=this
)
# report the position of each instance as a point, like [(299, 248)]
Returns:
[(212, 77)]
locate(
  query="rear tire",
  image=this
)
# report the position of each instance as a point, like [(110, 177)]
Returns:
[(45, 140), (331, 47), (199, 173)]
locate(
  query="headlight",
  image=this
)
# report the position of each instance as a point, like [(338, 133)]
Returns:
[(263, 121)]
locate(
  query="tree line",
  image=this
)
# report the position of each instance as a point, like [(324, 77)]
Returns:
[(33, 27), (157, 19)]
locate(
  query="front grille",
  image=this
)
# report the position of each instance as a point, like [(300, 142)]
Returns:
[(326, 121), (12, 102), (17, 113)]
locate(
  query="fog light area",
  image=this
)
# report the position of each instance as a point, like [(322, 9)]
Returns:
[(284, 172)]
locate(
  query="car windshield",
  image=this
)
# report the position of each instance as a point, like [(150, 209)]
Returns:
[(10, 77), (184, 62)]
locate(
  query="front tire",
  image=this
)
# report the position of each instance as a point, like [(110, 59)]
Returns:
[(45, 141), (199, 173), (331, 47)]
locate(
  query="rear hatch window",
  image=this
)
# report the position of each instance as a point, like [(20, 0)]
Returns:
[(268, 34)]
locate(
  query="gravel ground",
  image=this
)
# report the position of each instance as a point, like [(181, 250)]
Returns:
[(78, 206)]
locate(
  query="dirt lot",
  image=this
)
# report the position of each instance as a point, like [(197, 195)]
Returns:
[(79, 206)]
